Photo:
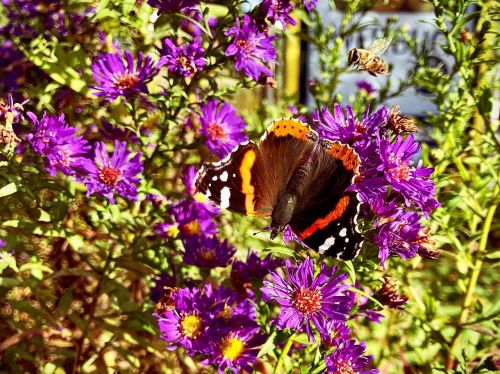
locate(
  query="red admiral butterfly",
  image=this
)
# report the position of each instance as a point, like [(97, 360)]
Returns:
[(295, 178)]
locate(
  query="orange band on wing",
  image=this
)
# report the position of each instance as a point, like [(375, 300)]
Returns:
[(292, 127), (349, 158), (246, 180), (321, 223)]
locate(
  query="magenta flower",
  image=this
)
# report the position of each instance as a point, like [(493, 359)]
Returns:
[(186, 323), (337, 332), (183, 60), (118, 174), (168, 6), (306, 298), (251, 49), (57, 141), (278, 11), (237, 351), (207, 252), (365, 86), (118, 75), (221, 126), (310, 4), (349, 358), (413, 183)]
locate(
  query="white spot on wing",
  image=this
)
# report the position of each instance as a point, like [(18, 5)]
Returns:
[(327, 244), (214, 178), (343, 232), (224, 197), (223, 176)]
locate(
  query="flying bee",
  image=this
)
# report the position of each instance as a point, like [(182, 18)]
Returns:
[(368, 59)]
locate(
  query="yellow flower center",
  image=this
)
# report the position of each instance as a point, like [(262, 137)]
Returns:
[(191, 228), (232, 348), (208, 254), (191, 326), (226, 313), (199, 197)]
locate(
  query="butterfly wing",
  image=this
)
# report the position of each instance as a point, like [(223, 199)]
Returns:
[(251, 177), (326, 216)]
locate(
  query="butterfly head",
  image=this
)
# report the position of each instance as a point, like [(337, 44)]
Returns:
[(275, 230)]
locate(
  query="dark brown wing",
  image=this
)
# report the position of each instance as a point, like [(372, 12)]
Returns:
[(325, 217), (250, 178)]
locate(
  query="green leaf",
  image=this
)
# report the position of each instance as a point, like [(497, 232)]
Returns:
[(268, 346), (7, 190), (64, 303)]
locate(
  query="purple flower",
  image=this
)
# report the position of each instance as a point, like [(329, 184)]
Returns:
[(237, 350), (183, 60), (194, 217), (162, 283), (306, 298), (365, 86), (349, 358), (207, 252), (173, 5), (411, 182), (278, 11), (337, 332), (118, 75), (221, 126), (231, 312), (166, 230), (253, 269), (251, 48), (55, 139), (186, 323), (118, 174), (310, 4), (398, 236), (346, 128), (11, 112), (2, 244)]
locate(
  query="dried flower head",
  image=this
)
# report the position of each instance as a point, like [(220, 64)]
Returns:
[(389, 294), (398, 123)]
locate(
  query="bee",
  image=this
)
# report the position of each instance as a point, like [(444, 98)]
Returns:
[(368, 59)]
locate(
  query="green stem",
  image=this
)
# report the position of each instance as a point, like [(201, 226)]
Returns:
[(450, 361), (284, 353)]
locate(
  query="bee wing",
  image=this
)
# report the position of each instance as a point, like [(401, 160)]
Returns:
[(379, 46)]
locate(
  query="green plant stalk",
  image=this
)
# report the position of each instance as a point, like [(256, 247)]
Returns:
[(450, 361), (284, 353)]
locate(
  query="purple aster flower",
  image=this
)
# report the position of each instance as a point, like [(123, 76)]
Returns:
[(337, 332), (162, 283), (231, 312), (310, 4), (169, 6), (221, 126), (193, 218), (118, 75), (361, 302), (207, 252), (118, 174), (237, 350), (183, 60), (253, 269), (166, 230), (251, 48), (411, 182), (2, 244), (55, 139), (349, 358), (346, 128), (365, 86), (187, 321), (11, 112), (398, 236), (278, 11), (306, 298)]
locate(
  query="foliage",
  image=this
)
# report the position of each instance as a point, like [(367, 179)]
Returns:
[(93, 269)]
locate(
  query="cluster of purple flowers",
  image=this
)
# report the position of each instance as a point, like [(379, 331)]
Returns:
[(71, 155), (321, 300), (396, 192), (214, 323)]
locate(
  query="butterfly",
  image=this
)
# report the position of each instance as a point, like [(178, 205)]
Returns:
[(296, 178)]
